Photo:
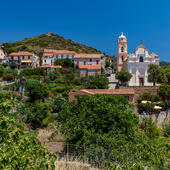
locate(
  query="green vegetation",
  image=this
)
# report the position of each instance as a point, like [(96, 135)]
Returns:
[(47, 41), (64, 63), (108, 124), (123, 76), (20, 150), (156, 75)]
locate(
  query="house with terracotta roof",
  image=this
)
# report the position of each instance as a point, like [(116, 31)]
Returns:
[(89, 64), (49, 56), (50, 67), (128, 93), (24, 59)]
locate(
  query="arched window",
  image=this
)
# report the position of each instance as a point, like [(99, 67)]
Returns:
[(141, 59), (122, 58), (122, 49)]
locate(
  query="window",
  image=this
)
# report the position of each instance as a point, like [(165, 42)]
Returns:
[(45, 61), (23, 57), (62, 55), (67, 56), (56, 56), (84, 62), (73, 56), (122, 58), (122, 49), (141, 59), (29, 57), (97, 61), (77, 62), (90, 60)]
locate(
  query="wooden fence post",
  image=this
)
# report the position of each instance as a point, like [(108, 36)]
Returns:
[(84, 157), (67, 156)]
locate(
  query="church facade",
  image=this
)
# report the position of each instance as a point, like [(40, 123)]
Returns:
[(137, 63)]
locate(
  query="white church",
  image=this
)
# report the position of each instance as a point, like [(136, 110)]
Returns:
[(136, 63)]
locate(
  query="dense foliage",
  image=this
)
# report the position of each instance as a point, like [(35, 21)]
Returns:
[(156, 75), (123, 76), (107, 123), (36, 90), (21, 150), (64, 62)]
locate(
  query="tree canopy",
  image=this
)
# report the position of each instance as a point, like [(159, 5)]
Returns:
[(156, 75), (123, 76), (21, 150)]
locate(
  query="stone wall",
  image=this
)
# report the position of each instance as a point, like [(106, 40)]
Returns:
[(159, 118)]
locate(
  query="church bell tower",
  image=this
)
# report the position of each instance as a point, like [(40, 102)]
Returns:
[(121, 53)]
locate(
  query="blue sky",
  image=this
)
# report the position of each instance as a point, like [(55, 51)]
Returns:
[(96, 23)]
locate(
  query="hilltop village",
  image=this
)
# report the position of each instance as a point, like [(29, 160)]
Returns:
[(60, 100)]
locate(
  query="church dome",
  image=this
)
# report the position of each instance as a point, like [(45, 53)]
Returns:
[(141, 46)]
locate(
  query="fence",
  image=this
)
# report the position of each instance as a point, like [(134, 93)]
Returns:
[(99, 158)]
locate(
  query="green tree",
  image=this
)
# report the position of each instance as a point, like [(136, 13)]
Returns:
[(107, 125), (38, 114), (164, 91), (5, 64), (64, 62), (166, 70), (21, 150), (13, 65), (2, 70), (36, 90), (123, 76), (155, 75)]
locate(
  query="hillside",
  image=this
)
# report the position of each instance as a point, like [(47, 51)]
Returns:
[(47, 41), (164, 63)]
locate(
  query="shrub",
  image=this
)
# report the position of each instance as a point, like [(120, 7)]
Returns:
[(2, 70), (166, 129), (123, 76), (13, 65), (147, 107), (149, 127), (36, 90), (8, 78)]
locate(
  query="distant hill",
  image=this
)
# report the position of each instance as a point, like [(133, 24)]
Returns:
[(47, 41), (164, 63)]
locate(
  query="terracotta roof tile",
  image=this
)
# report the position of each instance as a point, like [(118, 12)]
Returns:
[(21, 53), (59, 51), (83, 55), (45, 54), (50, 66), (90, 67), (109, 91)]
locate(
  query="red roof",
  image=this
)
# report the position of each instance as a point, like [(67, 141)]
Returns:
[(47, 54), (21, 53), (50, 66), (59, 51), (154, 55), (83, 55), (90, 67), (108, 91)]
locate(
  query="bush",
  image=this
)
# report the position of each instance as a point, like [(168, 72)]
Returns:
[(36, 90), (149, 127), (147, 108), (8, 78), (148, 97), (166, 129), (13, 65), (2, 70), (37, 115), (64, 62)]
